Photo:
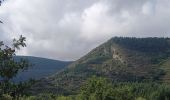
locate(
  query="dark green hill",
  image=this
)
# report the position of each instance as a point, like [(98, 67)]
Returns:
[(119, 59), (41, 67)]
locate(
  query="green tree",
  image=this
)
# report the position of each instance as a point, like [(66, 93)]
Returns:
[(9, 68), (96, 88)]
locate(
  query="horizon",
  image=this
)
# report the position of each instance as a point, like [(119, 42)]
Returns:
[(89, 51)]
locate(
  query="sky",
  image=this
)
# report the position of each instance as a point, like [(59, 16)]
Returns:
[(69, 29)]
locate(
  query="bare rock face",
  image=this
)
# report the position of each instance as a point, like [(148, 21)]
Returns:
[(116, 56)]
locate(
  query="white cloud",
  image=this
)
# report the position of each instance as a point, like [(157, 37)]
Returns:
[(95, 20), (149, 7), (68, 29)]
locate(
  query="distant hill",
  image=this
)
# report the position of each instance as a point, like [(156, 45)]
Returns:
[(121, 59), (41, 67)]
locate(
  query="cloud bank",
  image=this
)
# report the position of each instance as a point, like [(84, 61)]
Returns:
[(68, 29)]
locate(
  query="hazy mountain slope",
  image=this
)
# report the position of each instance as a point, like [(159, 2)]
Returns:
[(166, 67), (119, 59), (42, 67)]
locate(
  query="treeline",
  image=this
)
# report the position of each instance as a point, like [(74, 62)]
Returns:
[(151, 44), (98, 88)]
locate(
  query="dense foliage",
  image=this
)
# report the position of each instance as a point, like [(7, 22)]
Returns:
[(98, 88), (150, 45), (134, 68), (9, 68), (102, 89), (121, 59)]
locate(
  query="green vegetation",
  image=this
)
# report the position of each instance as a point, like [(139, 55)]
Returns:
[(120, 59), (151, 45), (99, 88), (166, 67), (42, 67), (120, 69), (9, 68)]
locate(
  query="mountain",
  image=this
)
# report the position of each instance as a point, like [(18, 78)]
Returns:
[(121, 59), (41, 67)]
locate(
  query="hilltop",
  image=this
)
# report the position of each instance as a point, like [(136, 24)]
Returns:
[(121, 59)]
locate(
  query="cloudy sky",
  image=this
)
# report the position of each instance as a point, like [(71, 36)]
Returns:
[(68, 29)]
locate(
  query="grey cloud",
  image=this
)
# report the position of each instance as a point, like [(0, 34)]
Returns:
[(68, 29)]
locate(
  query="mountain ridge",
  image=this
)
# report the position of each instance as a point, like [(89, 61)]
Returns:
[(41, 67), (121, 59)]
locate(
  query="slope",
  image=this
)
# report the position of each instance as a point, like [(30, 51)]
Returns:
[(41, 67), (120, 59)]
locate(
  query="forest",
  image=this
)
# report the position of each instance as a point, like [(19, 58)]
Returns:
[(99, 88)]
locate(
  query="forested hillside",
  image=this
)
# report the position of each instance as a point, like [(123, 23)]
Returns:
[(99, 88), (40, 67), (121, 59)]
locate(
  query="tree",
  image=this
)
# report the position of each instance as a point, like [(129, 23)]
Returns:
[(9, 68), (96, 88)]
